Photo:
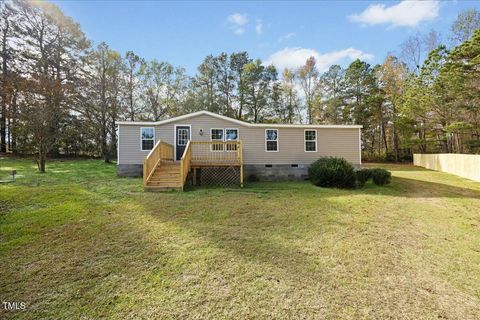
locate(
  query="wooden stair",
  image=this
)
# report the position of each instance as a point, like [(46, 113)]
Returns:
[(165, 177)]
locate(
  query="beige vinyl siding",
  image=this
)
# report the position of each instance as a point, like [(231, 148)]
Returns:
[(341, 142)]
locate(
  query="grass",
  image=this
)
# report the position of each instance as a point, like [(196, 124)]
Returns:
[(79, 242)]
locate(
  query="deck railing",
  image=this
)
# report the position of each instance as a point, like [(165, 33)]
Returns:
[(211, 154), (221, 153), (162, 151), (185, 164)]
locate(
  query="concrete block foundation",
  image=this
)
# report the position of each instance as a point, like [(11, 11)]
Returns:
[(130, 170), (275, 172)]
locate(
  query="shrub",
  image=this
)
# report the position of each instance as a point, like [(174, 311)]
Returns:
[(381, 176), (363, 176), (332, 172), (389, 157), (406, 157)]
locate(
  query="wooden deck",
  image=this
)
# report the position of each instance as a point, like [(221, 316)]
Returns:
[(161, 172)]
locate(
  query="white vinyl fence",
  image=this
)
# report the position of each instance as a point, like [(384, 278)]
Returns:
[(463, 165)]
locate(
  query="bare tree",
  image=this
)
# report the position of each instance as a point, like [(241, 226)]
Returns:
[(309, 80), (134, 67), (415, 49), (464, 26)]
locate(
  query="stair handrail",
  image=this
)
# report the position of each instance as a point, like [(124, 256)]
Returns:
[(185, 164), (160, 152)]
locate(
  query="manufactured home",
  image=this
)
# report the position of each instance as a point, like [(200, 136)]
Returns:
[(205, 147)]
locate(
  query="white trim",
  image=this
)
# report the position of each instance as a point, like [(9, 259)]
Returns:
[(211, 140), (278, 140), (183, 130), (141, 144), (238, 138), (118, 145), (175, 137), (305, 140), (360, 146), (243, 123)]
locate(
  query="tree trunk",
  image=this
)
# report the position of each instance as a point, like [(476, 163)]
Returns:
[(3, 125), (113, 147), (12, 129), (41, 158), (3, 115), (396, 144), (105, 155), (240, 88), (384, 135)]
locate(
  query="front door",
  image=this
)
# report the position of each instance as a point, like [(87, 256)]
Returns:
[(182, 135)]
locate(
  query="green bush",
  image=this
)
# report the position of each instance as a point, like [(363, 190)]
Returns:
[(381, 176), (389, 157), (332, 172), (363, 176)]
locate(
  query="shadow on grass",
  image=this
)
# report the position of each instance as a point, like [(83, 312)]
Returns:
[(276, 231), (399, 187), (414, 188)]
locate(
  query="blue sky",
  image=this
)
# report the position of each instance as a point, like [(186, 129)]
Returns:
[(284, 33)]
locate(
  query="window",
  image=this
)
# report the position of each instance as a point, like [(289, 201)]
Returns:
[(182, 136), (310, 140), (271, 140), (216, 135), (231, 135), (147, 137)]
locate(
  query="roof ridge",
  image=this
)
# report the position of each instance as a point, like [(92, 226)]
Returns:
[(246, 124)]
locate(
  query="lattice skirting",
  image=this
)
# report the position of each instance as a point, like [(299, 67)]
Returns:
[(216, 176)]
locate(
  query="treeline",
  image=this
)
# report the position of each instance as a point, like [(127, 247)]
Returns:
[(60, 95)]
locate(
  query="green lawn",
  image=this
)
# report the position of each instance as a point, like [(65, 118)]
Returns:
[(79, 242)]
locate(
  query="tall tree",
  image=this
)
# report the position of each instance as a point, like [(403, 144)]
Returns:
[(332, 85), (53, 49), (359, 85), (393, 75), (206, 81), (258, 88), (462, 68), (237, 63), (309, 80), (288, 108), (8, 14), (163, 87), (134, 67), (225, 84), (103, 102), (439, 95)]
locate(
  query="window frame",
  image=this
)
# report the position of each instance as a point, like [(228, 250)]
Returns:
[(141, 138), (188, 138), (213, 140), (305, 140), (278, 140), (225, 138)]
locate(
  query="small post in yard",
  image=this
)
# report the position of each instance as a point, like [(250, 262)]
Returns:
[(14, 172)]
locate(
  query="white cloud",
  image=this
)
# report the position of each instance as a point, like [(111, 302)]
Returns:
[(259, 26), (237, 22), (239, 31), (286, 37), (295, 57), (403, 14)]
